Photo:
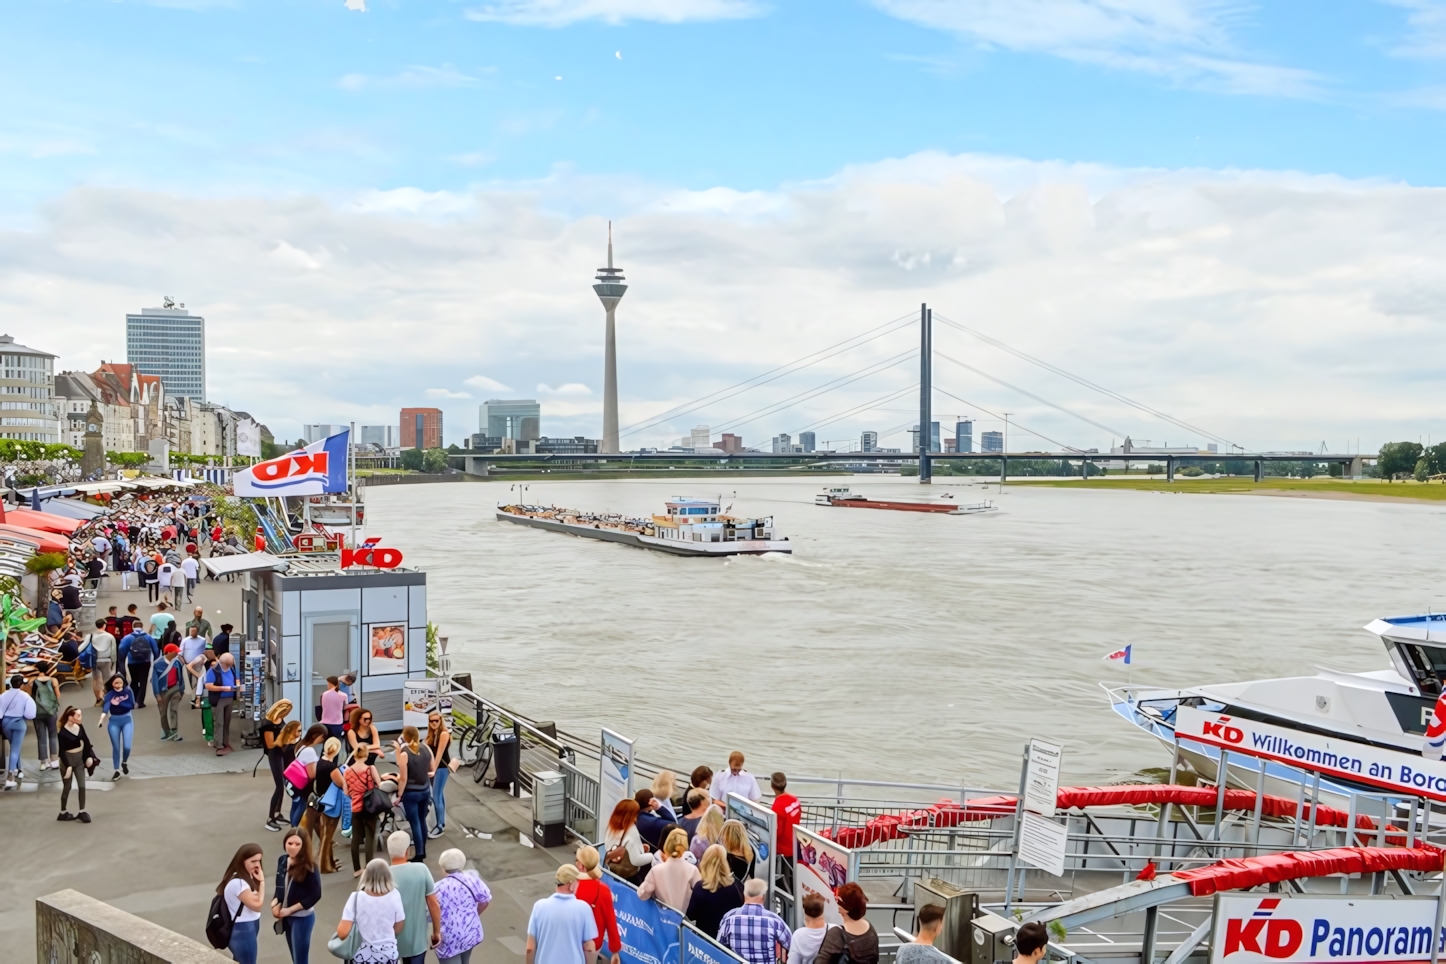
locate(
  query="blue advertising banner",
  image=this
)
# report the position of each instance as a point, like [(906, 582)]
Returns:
[(698, 948), (649, 929)]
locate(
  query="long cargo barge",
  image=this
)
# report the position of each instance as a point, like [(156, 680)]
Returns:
[(691, 527), (842, 498)]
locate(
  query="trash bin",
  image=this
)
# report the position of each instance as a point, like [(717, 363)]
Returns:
[(506, 759)]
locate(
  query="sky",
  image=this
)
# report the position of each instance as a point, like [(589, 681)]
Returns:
[(1228, 212)]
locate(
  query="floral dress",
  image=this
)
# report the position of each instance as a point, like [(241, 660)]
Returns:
[(459, 894)]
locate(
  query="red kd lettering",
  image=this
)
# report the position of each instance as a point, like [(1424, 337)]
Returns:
[(386, 558), (1283, 937), (1233, 735), (273, 470), (1211, 729), (315, 462), (1242, 935)]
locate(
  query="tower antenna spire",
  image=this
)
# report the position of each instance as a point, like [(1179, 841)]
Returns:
[(610, 288)]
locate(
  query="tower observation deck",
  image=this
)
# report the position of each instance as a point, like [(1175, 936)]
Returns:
[(610, 288)]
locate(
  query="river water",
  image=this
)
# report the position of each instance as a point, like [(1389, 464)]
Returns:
[(902, 646)]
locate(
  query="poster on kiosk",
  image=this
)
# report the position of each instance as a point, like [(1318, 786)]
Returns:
[(822, 868)]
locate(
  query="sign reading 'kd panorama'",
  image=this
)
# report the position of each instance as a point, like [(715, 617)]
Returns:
[(1266, 929), (1397, 770)]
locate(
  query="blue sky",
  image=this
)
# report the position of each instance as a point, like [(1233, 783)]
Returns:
[(308, 95), (539, 118)]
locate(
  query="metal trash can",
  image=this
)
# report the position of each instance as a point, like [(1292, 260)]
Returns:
[(506, 759)]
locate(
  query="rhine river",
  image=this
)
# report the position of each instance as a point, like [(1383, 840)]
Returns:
[(900, 646)]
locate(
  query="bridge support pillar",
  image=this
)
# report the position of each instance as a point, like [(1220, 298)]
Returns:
[(473, 465), (1259, 469), (1357, 468), (1169, 469), (1152, 929)]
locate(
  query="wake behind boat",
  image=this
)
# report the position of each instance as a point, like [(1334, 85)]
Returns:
[(1361, 731), (691, 527)]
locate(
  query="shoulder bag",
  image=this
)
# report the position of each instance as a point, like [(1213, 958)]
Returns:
[(619, 863), (346, 947), (295, 774)]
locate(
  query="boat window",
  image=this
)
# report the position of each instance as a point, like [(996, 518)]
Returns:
[(1427, 665)]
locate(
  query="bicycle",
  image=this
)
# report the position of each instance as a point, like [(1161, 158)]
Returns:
[(479, 745)]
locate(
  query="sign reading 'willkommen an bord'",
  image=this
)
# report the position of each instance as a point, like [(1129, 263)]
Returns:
[(1396, 770)]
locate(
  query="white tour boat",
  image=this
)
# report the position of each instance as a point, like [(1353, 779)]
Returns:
[(1385, 710)]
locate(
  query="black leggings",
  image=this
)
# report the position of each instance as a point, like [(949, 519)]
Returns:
[(278, 768), (74, 769)]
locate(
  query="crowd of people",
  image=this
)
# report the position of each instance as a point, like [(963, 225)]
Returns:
[(337, 778)]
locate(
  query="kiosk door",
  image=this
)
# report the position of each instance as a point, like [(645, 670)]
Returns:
[(330, 655)]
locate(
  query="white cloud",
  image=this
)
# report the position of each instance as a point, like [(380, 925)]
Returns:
[(360, 6), (561, 13), (574, 389), (1277, 309), (487, 384), (415, 77), (1426, 33), (1187, 41)]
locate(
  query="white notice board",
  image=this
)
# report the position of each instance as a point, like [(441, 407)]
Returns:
[(1042, 843), (1041, 778)]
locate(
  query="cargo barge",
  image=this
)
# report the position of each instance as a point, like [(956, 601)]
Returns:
[(691, 527), (842, 498)]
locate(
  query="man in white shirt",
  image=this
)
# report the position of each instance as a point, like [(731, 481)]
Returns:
[(192, 570), (104, 645), (735, 780)]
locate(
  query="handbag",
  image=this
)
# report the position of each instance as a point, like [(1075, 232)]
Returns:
[(295, 774), (331, 801), (280, 925), (621, 865), (346, 947)]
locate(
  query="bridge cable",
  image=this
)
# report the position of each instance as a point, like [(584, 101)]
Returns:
[(1030, 394), (773, 374), (823, 389), (1079, 380)]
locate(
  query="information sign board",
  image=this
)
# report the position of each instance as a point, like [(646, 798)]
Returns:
[(822, 868), (1316, 929), (615, 775), (1041, 777), (1042, 843)]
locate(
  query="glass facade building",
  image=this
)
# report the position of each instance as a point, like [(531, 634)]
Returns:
[(27, 394), (171, 343), (516, 418)]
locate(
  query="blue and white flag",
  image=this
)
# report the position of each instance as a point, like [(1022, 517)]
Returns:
[(316, 469)]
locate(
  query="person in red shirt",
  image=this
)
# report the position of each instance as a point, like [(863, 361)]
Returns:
[(788, 812), (596, 894)]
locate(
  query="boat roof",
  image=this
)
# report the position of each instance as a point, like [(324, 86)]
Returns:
[(689, 500), (1415, 628)]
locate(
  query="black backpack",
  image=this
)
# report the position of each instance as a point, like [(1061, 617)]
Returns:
[(220, 921)]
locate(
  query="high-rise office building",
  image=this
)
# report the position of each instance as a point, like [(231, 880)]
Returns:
[(806, 441), (869, 442), (170, 342), (933, 438), (27, 389), (421, 428), (782, 444), (991, 442), (964, 436), (383, 435), (515, 418), (315, 433)]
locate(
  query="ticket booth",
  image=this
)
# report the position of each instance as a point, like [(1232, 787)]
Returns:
[(318, 620)]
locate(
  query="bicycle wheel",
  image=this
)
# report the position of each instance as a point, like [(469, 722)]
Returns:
[(462, 740), (484, 760)]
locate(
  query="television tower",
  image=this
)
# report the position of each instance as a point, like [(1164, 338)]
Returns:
[(610, 289)]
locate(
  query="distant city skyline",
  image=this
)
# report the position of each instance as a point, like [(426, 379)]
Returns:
[(1224, 212)]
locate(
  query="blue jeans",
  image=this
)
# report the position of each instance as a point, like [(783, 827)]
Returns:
[(298, 937), (414, 804), (243, 941), (14, 730), (439, 804), (121, 729), (298, 807)]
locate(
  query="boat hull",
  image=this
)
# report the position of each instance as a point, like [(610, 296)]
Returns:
[(671, 546), (895, 506)]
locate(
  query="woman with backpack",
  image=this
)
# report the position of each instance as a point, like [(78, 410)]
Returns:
[(362, 778), (45, 690), (236, 914)]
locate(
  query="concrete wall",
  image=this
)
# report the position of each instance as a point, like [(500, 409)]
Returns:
[(71, 928)]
